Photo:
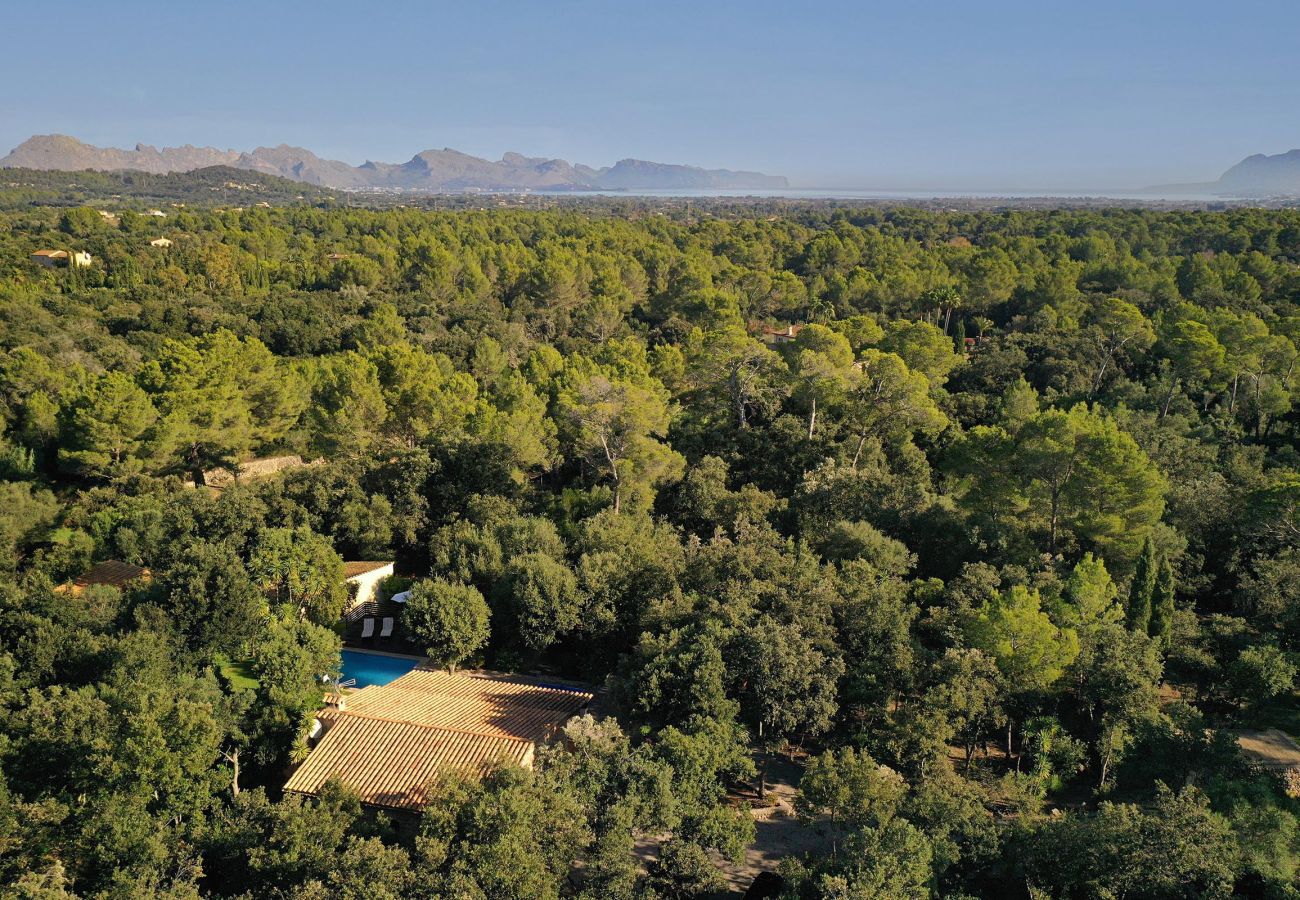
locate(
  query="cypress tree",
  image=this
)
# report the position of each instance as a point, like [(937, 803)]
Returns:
[(959, 336), (1141, 588), (1162, 602)]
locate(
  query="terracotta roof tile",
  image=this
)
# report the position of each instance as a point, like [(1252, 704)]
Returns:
[(112, 572), (392, 763), (353, 569), (491, 705)]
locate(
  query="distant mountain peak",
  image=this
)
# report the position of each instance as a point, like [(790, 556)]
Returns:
[(1262, 175), (63, 152), (430, 170)]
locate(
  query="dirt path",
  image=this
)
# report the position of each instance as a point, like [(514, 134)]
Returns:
[(777, 832)]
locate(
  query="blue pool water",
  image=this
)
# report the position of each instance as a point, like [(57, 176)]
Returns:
[(371, 668)]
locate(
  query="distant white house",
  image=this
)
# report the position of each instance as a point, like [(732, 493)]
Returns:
[(157, 213), (160, 242), (52, 258), (781, 335), (363, 579)]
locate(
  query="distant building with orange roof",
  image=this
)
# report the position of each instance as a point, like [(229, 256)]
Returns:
[(781, 335), (110, 572)]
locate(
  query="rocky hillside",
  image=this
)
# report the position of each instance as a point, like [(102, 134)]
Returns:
[(62, 153), (1264, 176)]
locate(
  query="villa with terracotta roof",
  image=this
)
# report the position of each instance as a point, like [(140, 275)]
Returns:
[(49, 258), (390, 742)]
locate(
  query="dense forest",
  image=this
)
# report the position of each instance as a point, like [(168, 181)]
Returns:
[(22, 188), (989, 521)]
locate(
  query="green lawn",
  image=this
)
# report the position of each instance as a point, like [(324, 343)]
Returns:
[(237, 673)]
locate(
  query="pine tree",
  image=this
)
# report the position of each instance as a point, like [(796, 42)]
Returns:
[(1141, 589), (1162, 602)]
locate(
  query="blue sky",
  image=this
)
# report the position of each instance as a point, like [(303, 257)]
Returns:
[(992, 95)]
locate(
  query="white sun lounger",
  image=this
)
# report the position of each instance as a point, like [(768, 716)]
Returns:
[(367, 628), (388, 627)]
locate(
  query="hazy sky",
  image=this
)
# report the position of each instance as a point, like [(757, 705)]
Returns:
[(935, 94)]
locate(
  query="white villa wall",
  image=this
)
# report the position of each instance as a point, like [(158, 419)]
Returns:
[(367, 584)]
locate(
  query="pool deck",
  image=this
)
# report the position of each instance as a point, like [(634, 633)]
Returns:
[(396, 644)]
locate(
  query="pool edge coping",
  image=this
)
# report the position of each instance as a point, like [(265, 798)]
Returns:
[(387, 653)]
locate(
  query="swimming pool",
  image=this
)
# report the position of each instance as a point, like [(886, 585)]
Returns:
[(373, 668)]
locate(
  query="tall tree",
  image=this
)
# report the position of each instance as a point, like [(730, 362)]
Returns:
[(220, 396), (347, 409), (1091, 595), (1030, 651), (850, 790), (732, 375), (1117, 326), (1117, 676), (615, 426), (542, 592), (1195, 357), (890, 402), (923, 347), (1142, 588), (211, 599), (1162, 602), (943, 300), (787, 684), (823, 370), (423, 393), (105, 428), (1061, 478)]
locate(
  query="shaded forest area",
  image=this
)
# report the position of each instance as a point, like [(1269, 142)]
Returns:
[(994, 515)]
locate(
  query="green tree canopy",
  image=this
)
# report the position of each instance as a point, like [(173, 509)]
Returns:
[(1061, 478), (614, 426), (450, 620), (302, 571)]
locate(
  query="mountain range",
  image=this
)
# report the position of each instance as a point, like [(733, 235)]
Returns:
[(430, 171)]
